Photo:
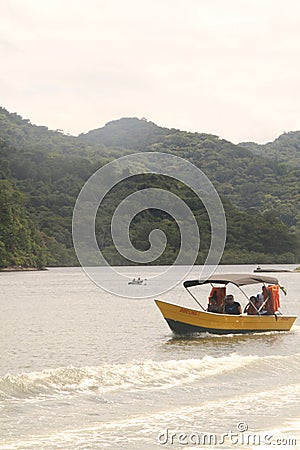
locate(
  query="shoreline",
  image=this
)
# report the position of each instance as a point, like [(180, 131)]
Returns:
[(22, 269)]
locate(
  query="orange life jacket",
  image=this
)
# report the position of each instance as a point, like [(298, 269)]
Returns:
[(273, 303), (219, 294)]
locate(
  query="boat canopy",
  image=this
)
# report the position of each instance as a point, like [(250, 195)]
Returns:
[(234, 278)]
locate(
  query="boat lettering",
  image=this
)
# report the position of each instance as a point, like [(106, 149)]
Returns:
[(189, 311)]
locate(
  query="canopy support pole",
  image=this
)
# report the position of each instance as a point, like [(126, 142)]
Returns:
[(195, 299), (249, 301)]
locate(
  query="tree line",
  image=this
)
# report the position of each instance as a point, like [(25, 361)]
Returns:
[(43, 171)]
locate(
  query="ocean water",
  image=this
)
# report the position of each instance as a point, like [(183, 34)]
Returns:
[(83, 369)]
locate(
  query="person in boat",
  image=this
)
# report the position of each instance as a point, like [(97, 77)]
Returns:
[(261, 306), (255, 307), (263, 295), (213, 305), (252, 307), (231, 306), (263, 300)]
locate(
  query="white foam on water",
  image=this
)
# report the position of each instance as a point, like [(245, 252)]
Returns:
[(295, 329), (286, 436), (145, 429), (136, 375)]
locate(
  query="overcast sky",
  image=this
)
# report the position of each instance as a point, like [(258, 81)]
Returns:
[(226, 67)]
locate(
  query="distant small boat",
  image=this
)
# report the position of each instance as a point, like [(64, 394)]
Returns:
[(184, 320), (270, 270), (138, 281)]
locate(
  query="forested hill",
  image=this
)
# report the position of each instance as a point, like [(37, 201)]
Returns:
[(286, 148), (245, 177), (21, 244), (129, 133), (46, 170), (20, 134), (140, 134)]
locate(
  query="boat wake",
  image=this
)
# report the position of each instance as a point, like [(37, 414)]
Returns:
[(142, 430), (147, 375)]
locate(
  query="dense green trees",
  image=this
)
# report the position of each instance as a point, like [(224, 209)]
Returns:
[(252, 236), (261, 195), (286, 148), (250, 176), (20, 243)]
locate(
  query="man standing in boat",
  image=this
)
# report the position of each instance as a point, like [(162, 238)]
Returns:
[(232, 307), (263, 295)]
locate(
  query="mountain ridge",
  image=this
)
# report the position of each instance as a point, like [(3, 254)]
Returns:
[(50, 168), (285, 148)]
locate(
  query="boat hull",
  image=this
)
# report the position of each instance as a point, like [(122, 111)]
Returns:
[(273, 271), (183, 320)]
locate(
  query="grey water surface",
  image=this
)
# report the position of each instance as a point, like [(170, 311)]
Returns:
[(83, 369)]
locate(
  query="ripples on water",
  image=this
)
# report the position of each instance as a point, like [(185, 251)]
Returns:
[(83, 370)]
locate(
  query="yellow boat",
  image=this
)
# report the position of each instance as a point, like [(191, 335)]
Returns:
[(184, 320)]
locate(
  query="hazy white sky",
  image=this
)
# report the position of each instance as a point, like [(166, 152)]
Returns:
[(227, 67)]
